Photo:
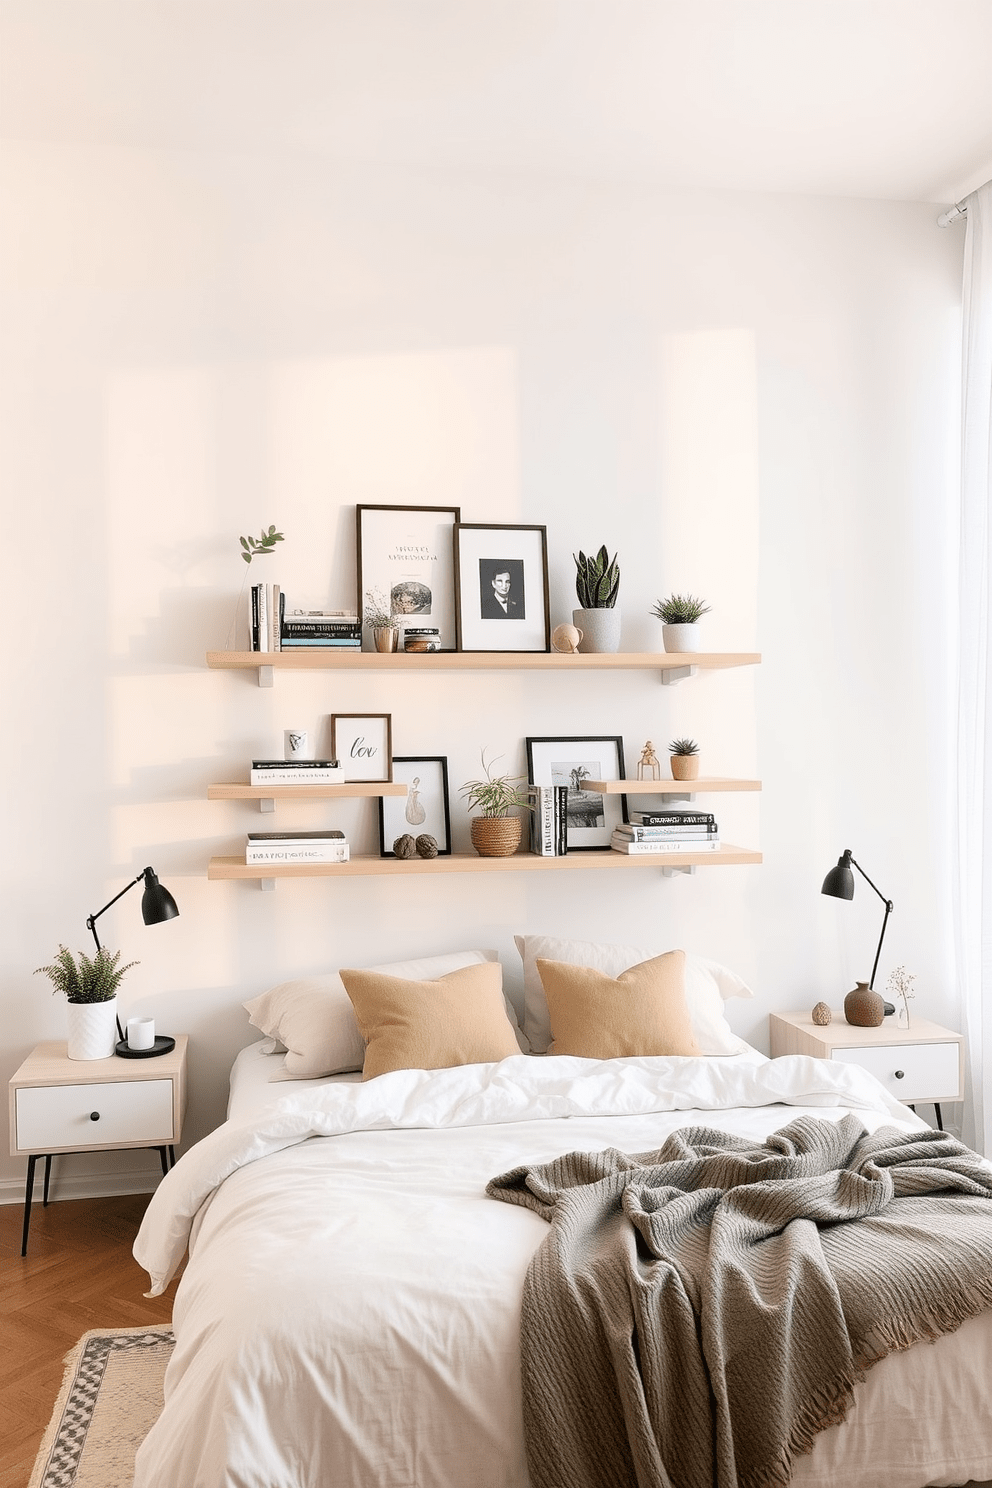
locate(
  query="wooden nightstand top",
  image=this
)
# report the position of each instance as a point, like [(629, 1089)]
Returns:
[(839, 1034), (48, 1064)]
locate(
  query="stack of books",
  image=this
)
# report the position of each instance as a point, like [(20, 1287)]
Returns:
[(296, 772), (324, 630), (548, 820), (296, 847), (679, 829)]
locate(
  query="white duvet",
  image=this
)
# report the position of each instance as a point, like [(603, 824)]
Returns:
[(349, 1317)]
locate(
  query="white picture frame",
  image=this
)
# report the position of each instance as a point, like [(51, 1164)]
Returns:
[(512, 561), (591, 815), (362, 743)]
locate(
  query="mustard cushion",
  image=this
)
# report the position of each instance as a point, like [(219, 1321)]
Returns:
[(643, 1011)]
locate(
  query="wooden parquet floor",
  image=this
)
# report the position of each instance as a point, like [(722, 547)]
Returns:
[(78, 1274)]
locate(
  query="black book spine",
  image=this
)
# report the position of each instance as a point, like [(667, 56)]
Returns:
[(254, 617)]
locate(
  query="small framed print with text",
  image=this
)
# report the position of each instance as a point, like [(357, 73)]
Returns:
[(363, 744)]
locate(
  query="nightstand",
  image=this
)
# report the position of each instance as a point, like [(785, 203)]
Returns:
[(60, 1105), (922, 1063)]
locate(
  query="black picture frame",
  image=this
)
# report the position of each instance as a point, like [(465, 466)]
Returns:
[(486, 554), (554, 760), (430, 798), (363, 744)]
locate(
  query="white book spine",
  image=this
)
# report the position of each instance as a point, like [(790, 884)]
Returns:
[(274, 854), (263, 618), (660, 849), (297, 777)]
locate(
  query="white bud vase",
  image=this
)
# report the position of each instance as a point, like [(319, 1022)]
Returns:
[(92, 1028), (600, 629)]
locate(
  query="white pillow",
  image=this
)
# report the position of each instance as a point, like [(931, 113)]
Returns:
[(707, 984), (314, 1018)]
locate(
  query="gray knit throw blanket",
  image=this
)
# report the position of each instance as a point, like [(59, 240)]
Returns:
[(697, 1314)]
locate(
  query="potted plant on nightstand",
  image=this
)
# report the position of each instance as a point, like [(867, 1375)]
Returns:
[(679, 614), (685, 759), (89, 985), (495, 833), (597, 584)]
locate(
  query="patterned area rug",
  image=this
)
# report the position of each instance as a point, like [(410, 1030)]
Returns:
[(111, 1395)]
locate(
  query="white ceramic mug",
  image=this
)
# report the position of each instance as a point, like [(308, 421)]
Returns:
[(141, 1033), (296, 744)]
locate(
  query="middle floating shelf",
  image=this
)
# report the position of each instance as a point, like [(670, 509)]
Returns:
[(234, 792), (237, 868), (669, 787)]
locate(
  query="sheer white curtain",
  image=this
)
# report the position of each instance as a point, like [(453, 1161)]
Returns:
[(973, 886)]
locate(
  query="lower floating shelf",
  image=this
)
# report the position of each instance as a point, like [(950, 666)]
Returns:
[(364, 867)]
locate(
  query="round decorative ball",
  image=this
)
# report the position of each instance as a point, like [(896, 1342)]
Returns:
[(426, 845), (405, 847), (821, 1015)]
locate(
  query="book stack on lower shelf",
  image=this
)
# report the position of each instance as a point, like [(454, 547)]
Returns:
[(296, 847), (296, 772), (548, 822), (680, 829), (320, 630)]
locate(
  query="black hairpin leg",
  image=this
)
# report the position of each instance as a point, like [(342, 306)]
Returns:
[(936, 1111), (48, 1175), (28, 1193), (172, 1156), (164, 1156)]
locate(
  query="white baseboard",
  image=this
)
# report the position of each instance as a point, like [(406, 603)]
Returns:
[(81, 1186)]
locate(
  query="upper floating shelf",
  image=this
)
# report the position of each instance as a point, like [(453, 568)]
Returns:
[(673, 665)]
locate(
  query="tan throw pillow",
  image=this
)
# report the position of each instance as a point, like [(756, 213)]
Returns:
[(457, 1019), (643, 1011)]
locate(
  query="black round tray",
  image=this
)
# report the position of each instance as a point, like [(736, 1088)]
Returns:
[(161, 1045)]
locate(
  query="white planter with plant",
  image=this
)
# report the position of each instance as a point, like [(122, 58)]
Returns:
[(495, 833), (597, 584), (685, 759), (89, 985), (379, 618), (679, 614)]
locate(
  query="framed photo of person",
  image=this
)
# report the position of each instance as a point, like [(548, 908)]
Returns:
[(405, 560), (363, 743), (591, 815), (424, 809), (501, 587)]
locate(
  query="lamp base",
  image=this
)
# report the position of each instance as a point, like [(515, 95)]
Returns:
[(162, 1045)]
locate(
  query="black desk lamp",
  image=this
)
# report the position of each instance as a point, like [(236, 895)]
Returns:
[(157, 904), (839, 884)]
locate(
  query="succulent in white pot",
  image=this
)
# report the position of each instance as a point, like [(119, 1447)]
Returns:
[(89, 985), (597, 585), (679, 615)]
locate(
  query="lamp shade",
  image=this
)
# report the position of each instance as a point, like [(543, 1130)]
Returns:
[(157, 904), (839, 882)]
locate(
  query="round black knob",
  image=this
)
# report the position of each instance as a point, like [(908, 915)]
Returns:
[(94, 1115), (900, 1074)]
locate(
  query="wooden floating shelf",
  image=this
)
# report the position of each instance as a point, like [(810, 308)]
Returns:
[(673, 665), (364, 867), (234, 792), (669, 787)]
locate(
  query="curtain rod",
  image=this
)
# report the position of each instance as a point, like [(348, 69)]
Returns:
[(960, 209)]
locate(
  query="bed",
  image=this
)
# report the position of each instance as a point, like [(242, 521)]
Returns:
[(350, 1312)]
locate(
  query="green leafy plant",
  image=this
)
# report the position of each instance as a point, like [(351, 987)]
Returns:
[(597, 580), (683, 746), (261, 546), (496, 794), (377, 613), (680, 609), (88, 979)]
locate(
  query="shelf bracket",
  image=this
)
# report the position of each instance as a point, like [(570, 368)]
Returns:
[(266, 676), (671, 872), (267, 885), (671, 675), (266, 803)]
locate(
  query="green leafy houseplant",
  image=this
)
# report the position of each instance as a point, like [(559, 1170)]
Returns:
[(680, 609), (261, 546), (88, 978), (597, 580), (495, 795)]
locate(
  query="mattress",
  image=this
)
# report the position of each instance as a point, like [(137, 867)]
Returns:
[(350, 1311)]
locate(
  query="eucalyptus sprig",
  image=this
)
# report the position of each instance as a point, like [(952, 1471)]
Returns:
[(496, 794), (261, 546), (92, 979)]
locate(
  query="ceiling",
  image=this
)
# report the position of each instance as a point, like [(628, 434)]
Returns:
[(865, 98)]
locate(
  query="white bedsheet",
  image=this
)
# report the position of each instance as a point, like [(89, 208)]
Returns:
[(350, 1313)]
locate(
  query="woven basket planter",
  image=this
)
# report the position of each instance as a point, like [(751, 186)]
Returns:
[(685, 766), (495, 836)]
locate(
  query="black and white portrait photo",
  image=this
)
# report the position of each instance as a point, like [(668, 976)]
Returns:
[(501, 589)]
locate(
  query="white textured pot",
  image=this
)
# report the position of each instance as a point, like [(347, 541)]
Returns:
[(680, 637), (92, 1029), (600, 629)]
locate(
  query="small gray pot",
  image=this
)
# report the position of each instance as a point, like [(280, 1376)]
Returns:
[(680, 637), (600, 629)]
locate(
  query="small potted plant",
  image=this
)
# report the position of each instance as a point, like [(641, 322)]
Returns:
[(685, 759), (89, 985), (495, 833), (381, 621), (679, 615), (597, 584)]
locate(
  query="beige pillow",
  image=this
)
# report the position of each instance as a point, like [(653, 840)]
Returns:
[(643, 1011), (457, 1019)]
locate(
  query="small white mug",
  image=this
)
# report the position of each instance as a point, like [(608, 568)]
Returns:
[(296, 744), (141, 1033)]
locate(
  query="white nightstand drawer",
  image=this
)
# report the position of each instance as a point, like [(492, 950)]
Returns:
[(911, 1072), (128, 1113)]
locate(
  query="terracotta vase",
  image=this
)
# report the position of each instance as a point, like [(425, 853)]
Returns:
[(864, 1008), (685, 766), (495, 836)]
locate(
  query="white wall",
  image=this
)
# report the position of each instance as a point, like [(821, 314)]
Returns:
[(748, 397)]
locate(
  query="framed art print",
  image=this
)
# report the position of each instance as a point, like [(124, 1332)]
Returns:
[(591, 815), (501, 587), (424, 809), (363, 744), (405, 560)]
